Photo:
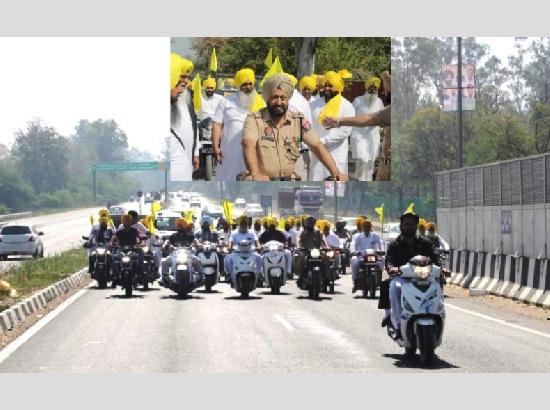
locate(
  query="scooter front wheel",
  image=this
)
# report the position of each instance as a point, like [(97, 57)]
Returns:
[(426, 344)]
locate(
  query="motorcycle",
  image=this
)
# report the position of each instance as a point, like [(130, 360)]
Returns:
[(210, 265), (182, 278), (207, 149), (423, 309), (274, 266), (313, 278), (369, 274), (334, 270), (245, 271), (127, 268), (102, 269)]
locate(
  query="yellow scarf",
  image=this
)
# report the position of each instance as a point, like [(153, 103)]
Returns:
[(332, 109), (258, 103)]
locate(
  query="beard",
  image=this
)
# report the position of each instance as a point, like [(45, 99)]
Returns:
[(277, 110), (370, 98), (246, 100), (175, 114)]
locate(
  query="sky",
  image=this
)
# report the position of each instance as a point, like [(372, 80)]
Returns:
[(63, 80)]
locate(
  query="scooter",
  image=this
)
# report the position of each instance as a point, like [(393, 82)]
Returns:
[(369, 274), (182, 278), (210, 265), (423, 309), (245, 270), (274, 266)]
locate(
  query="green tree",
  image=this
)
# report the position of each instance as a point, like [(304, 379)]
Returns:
[(16, 194), (41, 155), (104, 136)]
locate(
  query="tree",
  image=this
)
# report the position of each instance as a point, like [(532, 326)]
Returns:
[(105, 137), (15, 193), (305, 50), (540, 124), (41, 154)]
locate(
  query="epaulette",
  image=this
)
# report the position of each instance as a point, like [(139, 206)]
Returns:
[(256, 114)]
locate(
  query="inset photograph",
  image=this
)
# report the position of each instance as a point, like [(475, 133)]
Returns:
[(280, 109)]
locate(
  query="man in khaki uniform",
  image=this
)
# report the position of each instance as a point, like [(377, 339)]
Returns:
[(382, 119), (273, 135)]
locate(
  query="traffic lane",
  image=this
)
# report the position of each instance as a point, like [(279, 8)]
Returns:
[(218, 332)]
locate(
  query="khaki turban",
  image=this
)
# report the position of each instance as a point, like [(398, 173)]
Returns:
[(372, 81), (335, 80), (245, 75), (308, 82), (209, 82), (277, 81)]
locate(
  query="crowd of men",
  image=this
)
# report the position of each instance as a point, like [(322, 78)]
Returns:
[(293, 130)]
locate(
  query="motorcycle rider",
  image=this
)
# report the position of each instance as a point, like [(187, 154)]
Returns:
[(309, 238), (407, 245), (273, 234), (206, 234), (422, 226), (258, 227), (181, 238), (243, 233), (290, 231), (435, 238), (365, 240), (100, 235), (341, 231), (333, 241), (126, 236)]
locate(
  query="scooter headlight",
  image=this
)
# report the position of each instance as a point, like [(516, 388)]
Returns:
[(330, 254), (125, 259), (100, 251), (273, 247), (315, 253), (371, 258), (422, 272), (182, 258)]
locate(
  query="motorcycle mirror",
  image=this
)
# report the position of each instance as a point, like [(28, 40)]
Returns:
[(85, 238), (40, 233)]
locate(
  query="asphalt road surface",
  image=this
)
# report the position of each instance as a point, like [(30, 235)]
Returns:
[(101, 331)]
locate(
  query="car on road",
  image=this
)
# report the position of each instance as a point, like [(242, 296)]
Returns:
[(254, 210), (391, 231), (212, 210), (239, 207), (117, 210), (21, 240)]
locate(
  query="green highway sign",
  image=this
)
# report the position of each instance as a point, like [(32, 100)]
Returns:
[(129, 166)]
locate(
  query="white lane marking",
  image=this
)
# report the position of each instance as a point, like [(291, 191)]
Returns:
[(17, 343), (502, 322), (283, 322)]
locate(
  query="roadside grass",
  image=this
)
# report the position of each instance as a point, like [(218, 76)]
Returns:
[(36, 274)]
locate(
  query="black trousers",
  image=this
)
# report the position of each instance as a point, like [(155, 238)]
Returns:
[(384, 301)]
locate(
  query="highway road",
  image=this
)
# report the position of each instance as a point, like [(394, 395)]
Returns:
[(100, 331)]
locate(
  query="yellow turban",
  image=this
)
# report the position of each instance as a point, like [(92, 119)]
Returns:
[(292, 79), (176, 64), (307, 82), (373, 81), (422, 223), (245, 75), (186, 66), (335, 80), (345, 74), (209, 82), (320, 79), (104, 220)]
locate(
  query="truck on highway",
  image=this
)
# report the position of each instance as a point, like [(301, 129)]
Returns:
[(300, 200)]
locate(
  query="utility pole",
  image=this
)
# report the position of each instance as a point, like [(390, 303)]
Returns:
[(459, 105)]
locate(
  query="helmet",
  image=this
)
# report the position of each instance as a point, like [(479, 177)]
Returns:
[(181, 223), (411, 215), (309, 222)]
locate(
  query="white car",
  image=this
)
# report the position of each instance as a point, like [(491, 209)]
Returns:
[(391, 231), (254, 210), (195, 202), (19, 240), (213, 210), (239, 207)]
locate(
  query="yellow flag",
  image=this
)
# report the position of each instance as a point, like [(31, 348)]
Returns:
[(410, 208), (112, 223), (213, 61), (332, 109), (189, 216), (281, 224), (269, 59), (155, 208), (228, 211), (91, 220), (197, 90), (258, 103), (380, 212), (276, 68)]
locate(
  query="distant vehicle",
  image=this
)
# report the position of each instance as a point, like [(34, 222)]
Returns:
[(166, 223), (300, 200), (117, 210), (391, 231), (195, 202), (212, 210), (254, 210), (19, 240)]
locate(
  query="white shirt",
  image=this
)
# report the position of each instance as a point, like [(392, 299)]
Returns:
[(365, 141), (181, 157), (293, 234), (237, 236), (372, 241), (335, 140), (209, 106), (333, 240), (298, 103), (232, 116)]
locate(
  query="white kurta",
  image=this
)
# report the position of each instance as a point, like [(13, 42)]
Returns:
[(232, 116), (209, 106), (365, 141), (335, 140), (298, 103), (181, 158)]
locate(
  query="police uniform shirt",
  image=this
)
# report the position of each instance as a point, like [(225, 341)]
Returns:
[(278, 149)]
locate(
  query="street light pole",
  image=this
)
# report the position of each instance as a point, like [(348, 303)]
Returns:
[(459, 105)]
